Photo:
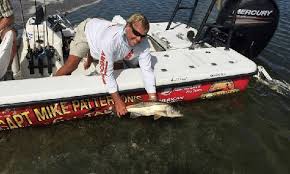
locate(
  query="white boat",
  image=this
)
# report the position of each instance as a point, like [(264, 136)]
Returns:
[(186, 67)]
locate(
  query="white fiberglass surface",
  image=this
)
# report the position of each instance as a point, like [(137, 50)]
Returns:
[(177, 64), (170, 67)]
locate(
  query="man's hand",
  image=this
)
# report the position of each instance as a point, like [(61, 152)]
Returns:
[(152, 96), (119, 104), (121, 108)]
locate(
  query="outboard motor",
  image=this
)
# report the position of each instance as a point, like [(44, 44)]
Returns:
[(248, 24)]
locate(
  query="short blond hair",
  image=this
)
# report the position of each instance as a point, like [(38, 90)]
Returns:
[(138, 17)]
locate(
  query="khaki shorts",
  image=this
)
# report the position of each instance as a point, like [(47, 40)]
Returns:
[(79, 45)]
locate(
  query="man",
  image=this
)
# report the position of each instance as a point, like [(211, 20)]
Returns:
[(109, 42), (6, 22)]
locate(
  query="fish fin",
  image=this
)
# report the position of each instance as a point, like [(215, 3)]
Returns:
[(134, 115), (158, 115)]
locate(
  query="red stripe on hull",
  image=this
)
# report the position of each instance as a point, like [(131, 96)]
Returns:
[(43, 114)]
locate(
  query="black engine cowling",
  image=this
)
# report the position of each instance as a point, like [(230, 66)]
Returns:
[(255, 24)]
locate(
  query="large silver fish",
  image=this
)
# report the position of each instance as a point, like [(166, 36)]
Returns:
[(156, 109)]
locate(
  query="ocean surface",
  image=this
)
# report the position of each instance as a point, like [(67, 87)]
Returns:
[(245, 133)]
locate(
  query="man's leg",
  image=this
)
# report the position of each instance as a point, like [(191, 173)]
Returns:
[(14, 44), (6, 73), (79, 48), (70, 65), (14, 47)]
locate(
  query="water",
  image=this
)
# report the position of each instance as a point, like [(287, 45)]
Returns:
[(244, 133)]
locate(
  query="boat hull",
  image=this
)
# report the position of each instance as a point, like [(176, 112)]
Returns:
[(53, 111)]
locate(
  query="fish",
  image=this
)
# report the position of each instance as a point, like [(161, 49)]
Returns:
[(156, 109)]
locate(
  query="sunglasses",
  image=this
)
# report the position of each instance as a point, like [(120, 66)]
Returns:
[(136, 33)]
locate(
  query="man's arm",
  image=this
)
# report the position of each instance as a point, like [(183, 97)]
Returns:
[(148, 74), (107, 72), (69, 66)]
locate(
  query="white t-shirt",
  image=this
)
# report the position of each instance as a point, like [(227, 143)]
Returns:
[(108, 44)]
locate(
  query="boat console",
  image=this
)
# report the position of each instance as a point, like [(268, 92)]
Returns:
[(44, 47)]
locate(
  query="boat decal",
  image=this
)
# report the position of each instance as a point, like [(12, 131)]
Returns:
[(218, 75), (186, 89), (172, 99), (59, 111), (218, 93), (166, 91), (223, 85), (96, 106), (193, 89), (248, 12), (220, 88), (178, 79)]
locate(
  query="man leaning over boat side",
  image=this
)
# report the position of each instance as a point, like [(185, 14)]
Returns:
[(109, 42), (6, 24)]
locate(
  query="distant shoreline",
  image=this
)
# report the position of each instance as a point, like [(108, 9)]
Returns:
[(51, 6)]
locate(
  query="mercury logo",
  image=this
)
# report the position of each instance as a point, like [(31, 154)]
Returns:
[(254, 12)]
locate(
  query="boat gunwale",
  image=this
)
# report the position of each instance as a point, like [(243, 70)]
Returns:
[(175, 85)]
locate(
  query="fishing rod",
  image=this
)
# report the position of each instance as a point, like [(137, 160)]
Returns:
[(30, 54), (24, 27), (42, 55), (45, 51), (36, 21), (49, 50), (40, 51), (45, 14)]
